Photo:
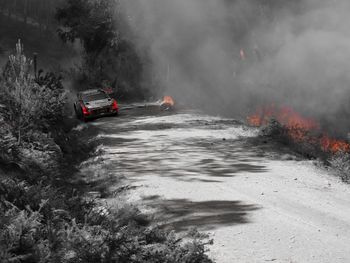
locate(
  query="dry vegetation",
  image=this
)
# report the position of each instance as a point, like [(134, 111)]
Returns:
[(308, 147)]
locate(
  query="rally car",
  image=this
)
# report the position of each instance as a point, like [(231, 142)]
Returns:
[(94, 103)]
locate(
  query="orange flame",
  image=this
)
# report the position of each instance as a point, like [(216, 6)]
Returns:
[(167, 100), (298, 128), (333, 145)]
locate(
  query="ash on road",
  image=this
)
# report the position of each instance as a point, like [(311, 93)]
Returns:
[(193, 170)]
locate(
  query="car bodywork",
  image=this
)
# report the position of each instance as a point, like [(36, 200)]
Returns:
[(95, 103)]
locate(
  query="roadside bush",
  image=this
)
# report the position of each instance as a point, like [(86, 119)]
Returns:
[(274, 130), (32, 103), (19, 234), (7, 140), (38, 223), (341, 164), (30, 110), (298, 139)]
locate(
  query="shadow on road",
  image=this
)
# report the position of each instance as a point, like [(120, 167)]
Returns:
[(183, 214), (187, 161)]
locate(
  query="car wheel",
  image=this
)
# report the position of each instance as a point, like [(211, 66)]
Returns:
[(76, 111)]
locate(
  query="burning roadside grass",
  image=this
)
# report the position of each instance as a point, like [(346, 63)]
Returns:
[(304, 136)]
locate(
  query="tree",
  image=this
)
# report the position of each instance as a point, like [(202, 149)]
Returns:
[(32, 103), (91, 21), (109, 55)]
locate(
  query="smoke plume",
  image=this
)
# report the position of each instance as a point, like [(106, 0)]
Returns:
[(232, 56)]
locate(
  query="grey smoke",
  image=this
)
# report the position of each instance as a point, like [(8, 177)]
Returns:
[(297, 54)]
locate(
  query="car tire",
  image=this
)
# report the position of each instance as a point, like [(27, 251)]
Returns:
[(76, 111), (79, 113)]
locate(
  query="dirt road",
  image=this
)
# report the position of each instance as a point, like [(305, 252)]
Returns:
[(193, 170)]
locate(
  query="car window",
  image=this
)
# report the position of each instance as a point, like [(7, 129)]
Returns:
[(96, 96)]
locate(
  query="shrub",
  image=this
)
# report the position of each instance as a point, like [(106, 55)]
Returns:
[(274, 130), (47, 230), (20, 230), (30, 108), (341, 164), (298, 139), (32, 103)]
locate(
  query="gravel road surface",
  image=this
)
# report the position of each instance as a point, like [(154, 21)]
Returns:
[(259, 205)]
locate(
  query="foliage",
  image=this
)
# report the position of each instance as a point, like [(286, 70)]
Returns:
[(282, 134), (273, 129), (341, 164), (20, 231), (110, 58), (31, 103), (55, 97), (40, 224), (93, 22), (7, 140)]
